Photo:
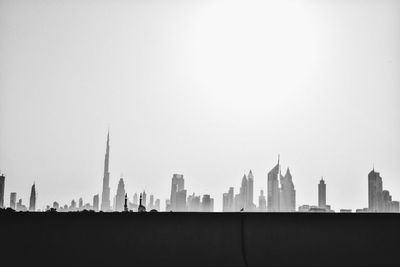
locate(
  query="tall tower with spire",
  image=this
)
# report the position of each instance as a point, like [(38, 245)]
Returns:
[(32, 200), (105, 197), (273, 188)]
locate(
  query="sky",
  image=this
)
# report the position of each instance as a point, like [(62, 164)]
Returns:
[(209, 89)]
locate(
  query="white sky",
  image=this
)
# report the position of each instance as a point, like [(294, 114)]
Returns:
[(209, 89)]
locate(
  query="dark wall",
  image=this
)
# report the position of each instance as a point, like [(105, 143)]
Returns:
[(199, 239)]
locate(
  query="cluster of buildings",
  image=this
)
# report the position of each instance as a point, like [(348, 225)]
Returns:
[(281, 196), (179, 201)]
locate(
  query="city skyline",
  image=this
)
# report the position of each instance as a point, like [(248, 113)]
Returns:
[(281, 196), (188, 88)]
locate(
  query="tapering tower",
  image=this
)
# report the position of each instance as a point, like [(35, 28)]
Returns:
[(273, 189), (32, 200), (105, 197)]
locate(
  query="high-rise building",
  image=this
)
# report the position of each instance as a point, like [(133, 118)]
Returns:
[(105, 197), (73, 205), (178, 184), (180, 204), (375, 194), (120, 197), (287, 201), (207, 203), (80, 204), (13, 200), (96, 202), (242, 199), (250, 192), (273, 189), (56, 205), (144, 199), (322, 193), (157, 204), (193, 203), (228, 204), (151, 202), (262, 203), (32, 199), (2, 183)]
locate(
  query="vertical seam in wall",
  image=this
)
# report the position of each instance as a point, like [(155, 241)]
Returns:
[(242, 239)]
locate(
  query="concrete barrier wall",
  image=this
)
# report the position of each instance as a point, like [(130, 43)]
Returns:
[(199, 239)]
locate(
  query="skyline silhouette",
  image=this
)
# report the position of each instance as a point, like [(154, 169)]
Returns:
[(281, 196)]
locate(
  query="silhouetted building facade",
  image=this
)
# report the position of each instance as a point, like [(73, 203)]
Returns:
[(2, 184), (105, 197), (96, 202), (13, 200), (178, 193), (194, 203), (32, 199), (273, 189), (120, 197), (287, 201), (322, 193), (262, 202), (207, 203)]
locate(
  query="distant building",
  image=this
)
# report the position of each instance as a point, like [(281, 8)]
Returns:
[(2, 184), (375, 194), (96, 202), (178, 198), (151, 202), (20, 206), (379, 200), (144, 199), (56, 205), (120, 197), (80, 204), (345, 210), (105, 197), (32, 199), (180, 204), (141, 208), (250, 192), (322, 193), (262, 203), (157, 204), (228, 201), (207, 203), (194, 203), (287, 201), (273, 189), (73, 205), (13, 200)]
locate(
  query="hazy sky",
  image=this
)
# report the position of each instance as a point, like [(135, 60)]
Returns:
[(209, 89)]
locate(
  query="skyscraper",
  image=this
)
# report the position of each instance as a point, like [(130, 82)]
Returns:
[(250, 192), (157, 204), (207, 204), (2, 182), (262, 203), (287, 201), (193, 203), (32, 200), (13, 200), (375, 194), (322, 193), (273, 189), (105, 197), (80, 203), (120, 197), (151, 202), (96, 202), (177, 185)]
